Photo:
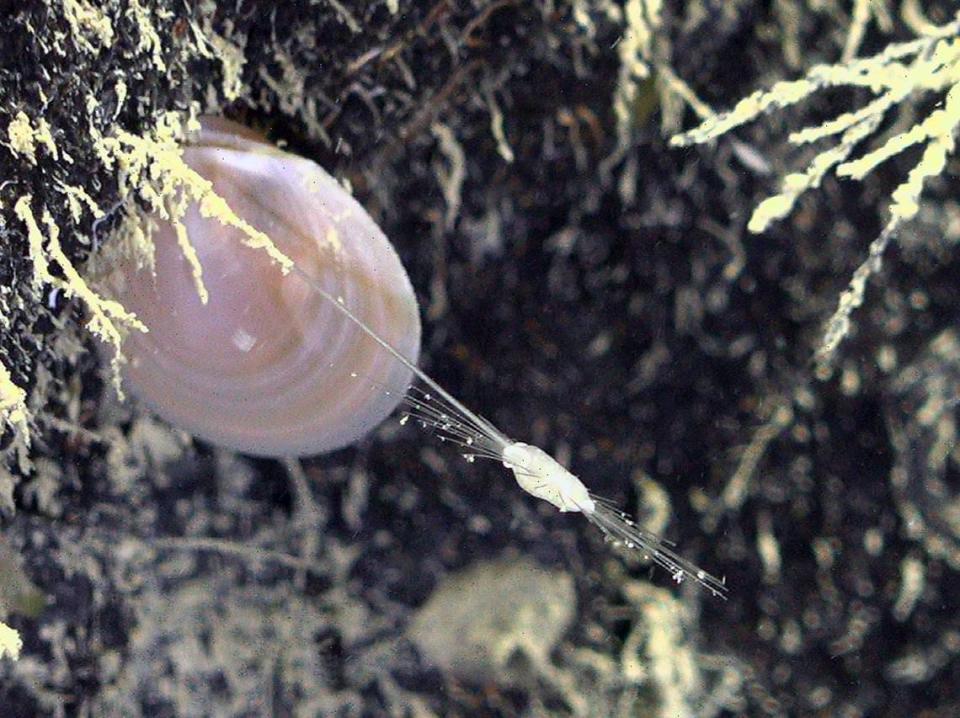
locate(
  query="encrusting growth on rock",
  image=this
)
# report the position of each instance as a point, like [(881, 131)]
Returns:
[(895, 77)]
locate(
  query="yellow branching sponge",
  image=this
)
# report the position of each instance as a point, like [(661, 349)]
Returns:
[(55, 203), (13, 405), (644, 52), (46, 249), (154, 169), (902, 73)]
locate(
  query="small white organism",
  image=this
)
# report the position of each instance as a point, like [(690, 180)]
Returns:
[(537, 473)]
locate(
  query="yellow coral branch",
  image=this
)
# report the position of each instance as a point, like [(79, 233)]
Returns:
[(149, 38), (780, 205), (154, 167), (77, 197), (941, 132), (933, 68), (931, 63), (104, 312), (13, 405), (85, 19), (23, 137)]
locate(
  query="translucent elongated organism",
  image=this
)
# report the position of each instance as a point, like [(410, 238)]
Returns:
[(536, 472), (265, 363)]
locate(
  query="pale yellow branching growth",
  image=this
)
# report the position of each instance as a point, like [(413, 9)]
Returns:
[(863, 12), (346, 17), (496, 125), (902, 72), (646, 83), (77, 199), (291, 96), (85, 21), (643, 19), (13, 406), (642, 59), (656, 652), (912, 579), (20, 136), (10, 642), (149, 38), (154, 168), (736, 490), (232, 60), (453, 176), (912, 14), (105, 314), (212, 45), (23, 137)]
